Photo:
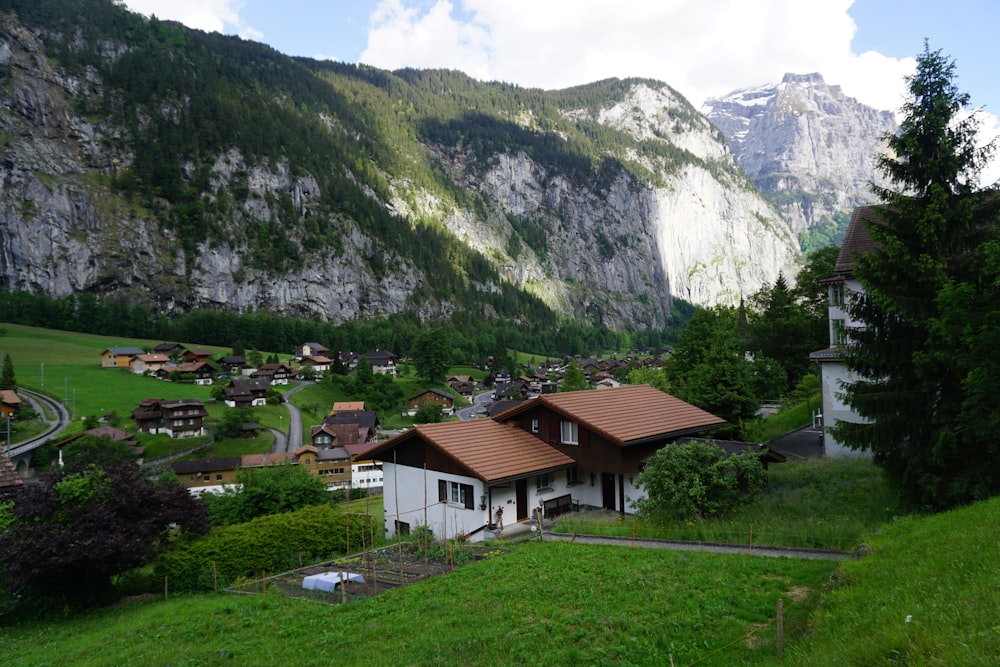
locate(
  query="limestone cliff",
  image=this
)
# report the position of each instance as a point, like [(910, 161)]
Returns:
[(664, 211), (805, 144)]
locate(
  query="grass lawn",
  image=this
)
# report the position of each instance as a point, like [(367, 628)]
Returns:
[(826, 503), (614, 605)]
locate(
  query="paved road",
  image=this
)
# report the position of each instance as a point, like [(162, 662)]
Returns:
[(478, 408), (56, 424), (293, 440)]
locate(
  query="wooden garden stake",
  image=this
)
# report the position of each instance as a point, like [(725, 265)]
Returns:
[(779, 623)]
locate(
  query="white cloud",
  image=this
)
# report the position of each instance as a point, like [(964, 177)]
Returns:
[(209, 15), (703, 49)]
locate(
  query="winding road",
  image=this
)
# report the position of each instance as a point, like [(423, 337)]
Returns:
[(45, 406)]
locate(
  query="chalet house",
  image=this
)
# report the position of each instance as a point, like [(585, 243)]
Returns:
[(554, 452), (316, 362), (198, 355), (333, 466), (118, 357), (329, 435), (179, 418), (365, 420), (206, 474), (833, 373), (199, 372), (309, 350), (232, 364), (382, 361), (274, 374), (9, 403), (463, 385), (432, 396), (170, 350), (245, 393), (148, 363)]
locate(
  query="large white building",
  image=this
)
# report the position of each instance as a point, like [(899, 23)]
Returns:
[(833, 373)]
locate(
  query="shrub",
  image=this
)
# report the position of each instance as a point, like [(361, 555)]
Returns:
[(697, 479), (272, 543)]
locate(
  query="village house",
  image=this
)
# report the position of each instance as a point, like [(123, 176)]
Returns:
[(309, 350), (554, 453), (432, 396), (315, 363), (119, 357), (10, 402), (178, 418), (382, 362), (9, 479), (274, 374), (173, 351), (232, 364), (147, 363), (197, 372), (333, 466), (198, 355), (244, 393)]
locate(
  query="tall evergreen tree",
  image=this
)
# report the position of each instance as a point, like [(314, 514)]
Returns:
[(919, 390), (7, 378)]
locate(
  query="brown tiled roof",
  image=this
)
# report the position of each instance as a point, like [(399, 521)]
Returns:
[(10, 397), (490, 451), (856, 240), (625, 415), (205, 465), (261, 460), (359, 450), (8, 474), (347, 406)]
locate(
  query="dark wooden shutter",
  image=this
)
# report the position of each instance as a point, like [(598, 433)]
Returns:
[(469, 504), (583, 435), (442, 490), (553, 430)]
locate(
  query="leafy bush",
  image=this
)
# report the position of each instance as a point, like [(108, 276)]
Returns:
[(697, 479), (273, 543), (263, 491)]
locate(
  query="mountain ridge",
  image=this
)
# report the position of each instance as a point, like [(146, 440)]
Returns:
[(150, 162)]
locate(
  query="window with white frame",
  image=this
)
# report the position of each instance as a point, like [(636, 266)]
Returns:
[(568, 433), (534, 425), (837, 294)]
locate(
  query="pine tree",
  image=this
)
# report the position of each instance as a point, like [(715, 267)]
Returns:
[(919, 388), (7, 378)]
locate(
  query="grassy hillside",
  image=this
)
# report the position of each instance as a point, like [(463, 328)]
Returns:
[(926, 593)]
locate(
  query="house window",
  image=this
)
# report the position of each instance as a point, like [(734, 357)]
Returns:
[(573, 475), (402, 528), (568, 433), (542, 481), (218, 477), (460, 494), (837, 294), (836, 331), (534, 425)]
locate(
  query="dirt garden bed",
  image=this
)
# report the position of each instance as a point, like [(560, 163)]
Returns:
[(383, 569)]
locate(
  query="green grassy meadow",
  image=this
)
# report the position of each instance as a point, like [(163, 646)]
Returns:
[(925, 593)]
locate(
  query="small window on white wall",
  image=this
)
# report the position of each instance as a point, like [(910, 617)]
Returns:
[(568, 434)]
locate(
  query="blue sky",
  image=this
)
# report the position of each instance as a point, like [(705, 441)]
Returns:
[(703, 48)]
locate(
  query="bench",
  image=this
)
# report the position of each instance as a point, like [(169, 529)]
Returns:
[(562, 504)]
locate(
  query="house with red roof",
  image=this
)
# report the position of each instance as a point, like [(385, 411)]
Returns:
[(553, 452)]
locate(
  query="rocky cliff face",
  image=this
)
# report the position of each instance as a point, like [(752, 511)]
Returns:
[(804, 143), (614, 253)]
